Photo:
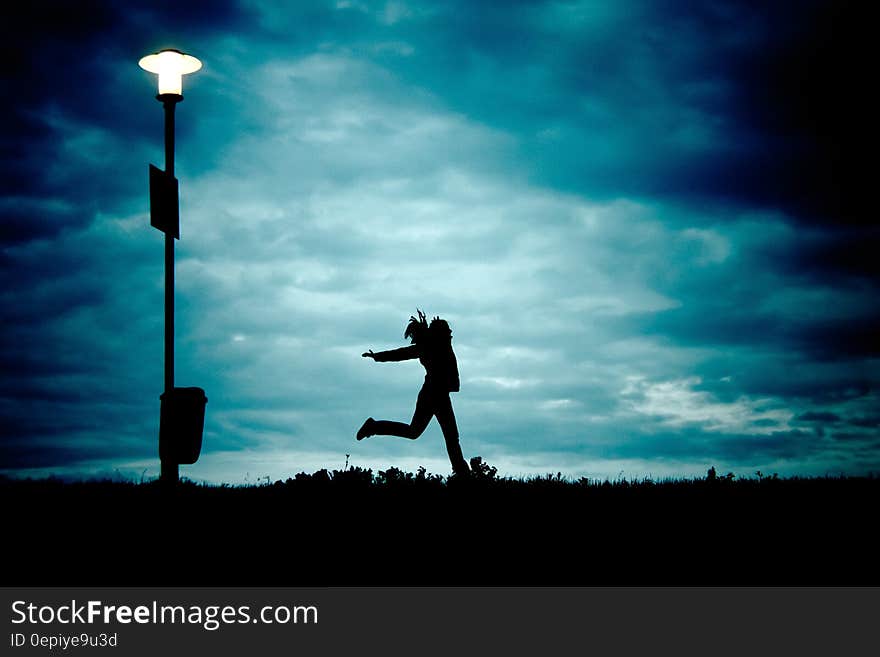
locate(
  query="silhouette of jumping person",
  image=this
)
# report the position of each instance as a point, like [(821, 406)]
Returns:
[(432, 345)]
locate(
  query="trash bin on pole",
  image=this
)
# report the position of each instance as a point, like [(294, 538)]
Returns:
[(181, 423)]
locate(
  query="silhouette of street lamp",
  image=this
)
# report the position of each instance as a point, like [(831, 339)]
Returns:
[(171, 65)]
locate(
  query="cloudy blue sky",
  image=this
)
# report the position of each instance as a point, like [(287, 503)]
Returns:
[(647, 222)]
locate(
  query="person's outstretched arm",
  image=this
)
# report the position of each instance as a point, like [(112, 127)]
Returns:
[(404, 353)]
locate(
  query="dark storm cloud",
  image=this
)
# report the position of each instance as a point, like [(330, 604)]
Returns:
[(842, 256), (32, 437), (73, 383), (762, 292), (820, 416), (750, 103), (778, 373), (852, 337)]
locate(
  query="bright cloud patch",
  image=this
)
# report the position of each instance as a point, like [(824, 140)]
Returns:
[(677, 404)]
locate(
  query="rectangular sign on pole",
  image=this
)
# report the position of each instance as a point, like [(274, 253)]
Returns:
[(164, 203)]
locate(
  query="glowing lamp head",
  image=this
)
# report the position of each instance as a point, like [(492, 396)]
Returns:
[(171, 66)]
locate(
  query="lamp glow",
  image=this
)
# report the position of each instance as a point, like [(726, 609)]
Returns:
[(170, 65)]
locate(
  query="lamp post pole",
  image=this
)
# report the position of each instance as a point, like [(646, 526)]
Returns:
[(177, 421), (170, 470)]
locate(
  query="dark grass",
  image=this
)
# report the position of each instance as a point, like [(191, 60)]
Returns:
[(355, 527)]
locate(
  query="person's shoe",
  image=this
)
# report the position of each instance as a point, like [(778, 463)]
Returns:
[(366, 429)]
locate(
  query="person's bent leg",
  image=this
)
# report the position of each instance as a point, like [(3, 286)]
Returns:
[(421, 416), (390, 428)]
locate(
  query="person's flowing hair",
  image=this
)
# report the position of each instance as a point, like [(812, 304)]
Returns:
[(417, 328)]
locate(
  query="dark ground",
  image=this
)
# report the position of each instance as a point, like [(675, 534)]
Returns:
[(355, 528)]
